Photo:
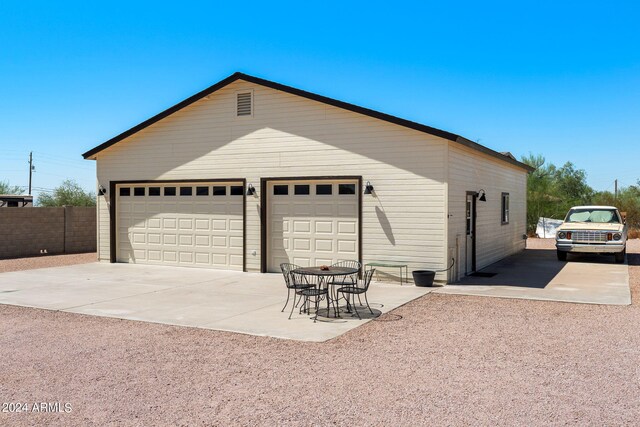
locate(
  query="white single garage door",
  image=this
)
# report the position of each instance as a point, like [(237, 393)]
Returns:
[(185, 224), (312, 223)]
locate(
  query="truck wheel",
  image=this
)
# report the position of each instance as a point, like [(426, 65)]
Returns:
[(620, 256), (562, 256)]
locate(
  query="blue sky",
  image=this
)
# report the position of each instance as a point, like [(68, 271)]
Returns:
[(560, 79)]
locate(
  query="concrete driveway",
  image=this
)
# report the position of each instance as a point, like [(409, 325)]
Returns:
[(537, 274), (248, 303)]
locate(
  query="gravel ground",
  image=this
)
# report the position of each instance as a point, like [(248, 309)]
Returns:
[(441, 359), (31, 263)]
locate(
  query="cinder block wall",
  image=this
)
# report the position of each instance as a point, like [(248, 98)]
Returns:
[(80, 229), (30, 231)]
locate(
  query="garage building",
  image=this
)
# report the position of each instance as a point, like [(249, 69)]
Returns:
[(250, 173)]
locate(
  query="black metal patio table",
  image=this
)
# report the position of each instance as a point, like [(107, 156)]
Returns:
[(323, 276)]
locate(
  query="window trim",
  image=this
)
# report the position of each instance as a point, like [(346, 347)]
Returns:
[(301, 186), (330, 193), (273, 189), (215, 192), (505, 208), (202, 190), (355, 189)]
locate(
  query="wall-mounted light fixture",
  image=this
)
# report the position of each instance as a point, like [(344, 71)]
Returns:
[(102, 191), (251, 191), (481, 196), (368, 188)]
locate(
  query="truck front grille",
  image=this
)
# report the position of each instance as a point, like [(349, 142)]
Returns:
[(588, 236)]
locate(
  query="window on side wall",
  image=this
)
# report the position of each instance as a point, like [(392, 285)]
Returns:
[(505, 208)]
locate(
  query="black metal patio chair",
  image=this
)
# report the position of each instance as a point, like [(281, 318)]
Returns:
[(358, 289), (348, 280), (291, 285), (315, 292), (351, 278)]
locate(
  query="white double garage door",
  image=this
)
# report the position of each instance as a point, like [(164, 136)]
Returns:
[(188, 224), (201, 224)]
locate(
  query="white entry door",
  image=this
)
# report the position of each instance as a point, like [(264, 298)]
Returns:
[(312, 223), (185, 224)]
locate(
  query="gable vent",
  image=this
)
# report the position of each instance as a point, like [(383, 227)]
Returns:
[(244, 104)]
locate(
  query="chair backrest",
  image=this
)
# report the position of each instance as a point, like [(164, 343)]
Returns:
[(353, 278), (286, 272), (349, 263), (366, 279)]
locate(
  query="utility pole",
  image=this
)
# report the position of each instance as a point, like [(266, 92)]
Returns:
[(30, 169), (616, 189)]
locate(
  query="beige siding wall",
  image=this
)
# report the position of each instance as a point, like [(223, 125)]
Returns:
[(470, 170), (293, 136), (102, 221)]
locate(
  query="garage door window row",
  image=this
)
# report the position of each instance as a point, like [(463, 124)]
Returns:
[(320, 189), (200, 190)]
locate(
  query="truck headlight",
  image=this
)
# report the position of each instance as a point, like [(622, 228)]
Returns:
[(561, 235), (617, 236)]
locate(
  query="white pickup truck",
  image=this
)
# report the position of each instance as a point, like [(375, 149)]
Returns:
[(592, 229)]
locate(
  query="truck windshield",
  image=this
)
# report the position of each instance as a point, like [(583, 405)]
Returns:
[(602, 216)]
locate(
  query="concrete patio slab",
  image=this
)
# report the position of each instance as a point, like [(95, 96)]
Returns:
[(537, 274), (248, 303)]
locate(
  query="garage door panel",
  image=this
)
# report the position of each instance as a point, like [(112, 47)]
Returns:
[(347, 246), (219, 259), (185, 240), (301, 244), (154, 223), (219, 225), (138, 222), (198, 230), (302, 209), (347, 227), (139, 254), (324, 245), (203, 258), (235, 224), (324, 227), (169, 256), (139, 207), (302, 226), (236, 242), (185, 224), (203, 224), (139, 238), (236, 260), (170, 223), (302, 261), (219, 241), (280, 209), (347, 210), (170, 239), (203, 240), (202, 208), (324, 209), (185, 257)]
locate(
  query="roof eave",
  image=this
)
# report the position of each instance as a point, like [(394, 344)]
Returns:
[(222, 83), (486, 150)]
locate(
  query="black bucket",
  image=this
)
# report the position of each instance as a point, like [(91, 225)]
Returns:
[(424, 278)]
